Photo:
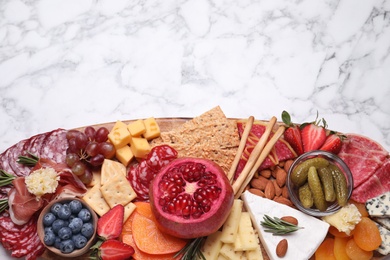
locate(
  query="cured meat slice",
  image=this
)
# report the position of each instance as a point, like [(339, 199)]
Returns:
[(54, 146), (376, 185), (363, 156), (22, 204), (21, 240), (35, 144), (18, 149), (280, 152)]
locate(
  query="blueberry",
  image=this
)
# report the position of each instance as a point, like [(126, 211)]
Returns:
[(55, 208), (79, 241), (75, 225), (75, 206), (85, 215), (48, 219), (49, 238), (48, 229), (67, 246), (87, 230), (64, 212), (57, 225), (65, 233), (57, 242)]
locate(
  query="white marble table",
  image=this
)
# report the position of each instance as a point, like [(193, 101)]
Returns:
[(70, 63)]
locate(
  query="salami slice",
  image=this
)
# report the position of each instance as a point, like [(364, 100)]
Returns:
[(35, 144), (18, 149), (54, 146)]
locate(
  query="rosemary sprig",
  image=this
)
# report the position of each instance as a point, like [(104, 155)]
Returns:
[(6, 178), (3, 204), (30, 161), (277, 226), (192, 250)]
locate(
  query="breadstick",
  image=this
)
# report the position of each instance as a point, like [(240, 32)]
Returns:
[(253, 156), (241, 147), (267, 149)]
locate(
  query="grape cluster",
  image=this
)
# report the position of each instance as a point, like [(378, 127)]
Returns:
[(88, 149)]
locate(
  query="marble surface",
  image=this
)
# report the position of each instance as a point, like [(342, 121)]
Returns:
[(70, 63), (74, 63)]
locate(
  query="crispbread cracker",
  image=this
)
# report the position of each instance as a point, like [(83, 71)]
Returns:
[(118, 190), (210, 135), (95, 200)]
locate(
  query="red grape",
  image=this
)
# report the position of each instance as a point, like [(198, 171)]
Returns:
[(96, 160), (78, 168), (92, 148), (107, 150), (81, 141), (72, 146), (101, 135), (86, 178), (90, 133), (71, 159), (72, 134)]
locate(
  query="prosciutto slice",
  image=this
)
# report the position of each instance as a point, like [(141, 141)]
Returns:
[(22, 204), (363, 156)]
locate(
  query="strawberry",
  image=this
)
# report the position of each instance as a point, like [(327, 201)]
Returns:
[(333, 143), (292, 134), (313, 135), (109, 226), (115, 250)]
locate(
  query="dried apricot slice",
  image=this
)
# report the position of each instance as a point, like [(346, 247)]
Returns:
[(325, 250), (339, 250), (335, 232), (366, 235), (355, 252)]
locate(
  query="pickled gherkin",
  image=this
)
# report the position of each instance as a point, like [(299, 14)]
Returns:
[(300, 172), (305, 196), (340, 184), (327, 183), (316, 189)]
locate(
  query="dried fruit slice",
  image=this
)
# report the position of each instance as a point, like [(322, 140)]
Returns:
[(191, 197)]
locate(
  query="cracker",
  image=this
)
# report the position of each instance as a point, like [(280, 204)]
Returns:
[(110, 169), (96, 201), (118, 190), (210, 135), (129, 208)]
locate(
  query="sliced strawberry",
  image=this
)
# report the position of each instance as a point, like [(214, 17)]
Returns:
[(292, 134), (115, 250), (332, 144), (313, 135), (110, 225)]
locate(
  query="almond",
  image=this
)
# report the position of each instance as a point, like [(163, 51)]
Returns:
[(284, 201), (257, 192), (285, 193), (266, 173), (287, 165), (290, 219), (278, 190), (269, 191), (259, 183), (281, 176), (281, 248)]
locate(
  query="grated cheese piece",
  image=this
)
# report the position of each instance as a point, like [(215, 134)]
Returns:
[(42, 181)]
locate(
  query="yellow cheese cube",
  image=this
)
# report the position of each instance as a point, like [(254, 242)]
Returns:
[(119, 124), (140, 147), (136, 128), (119, 136), (124, 155), (152, 128)]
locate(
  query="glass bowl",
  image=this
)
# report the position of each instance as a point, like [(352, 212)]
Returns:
[(76, 252), (332, 207)]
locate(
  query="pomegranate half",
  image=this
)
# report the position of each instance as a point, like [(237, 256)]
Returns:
[(191, 197)]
